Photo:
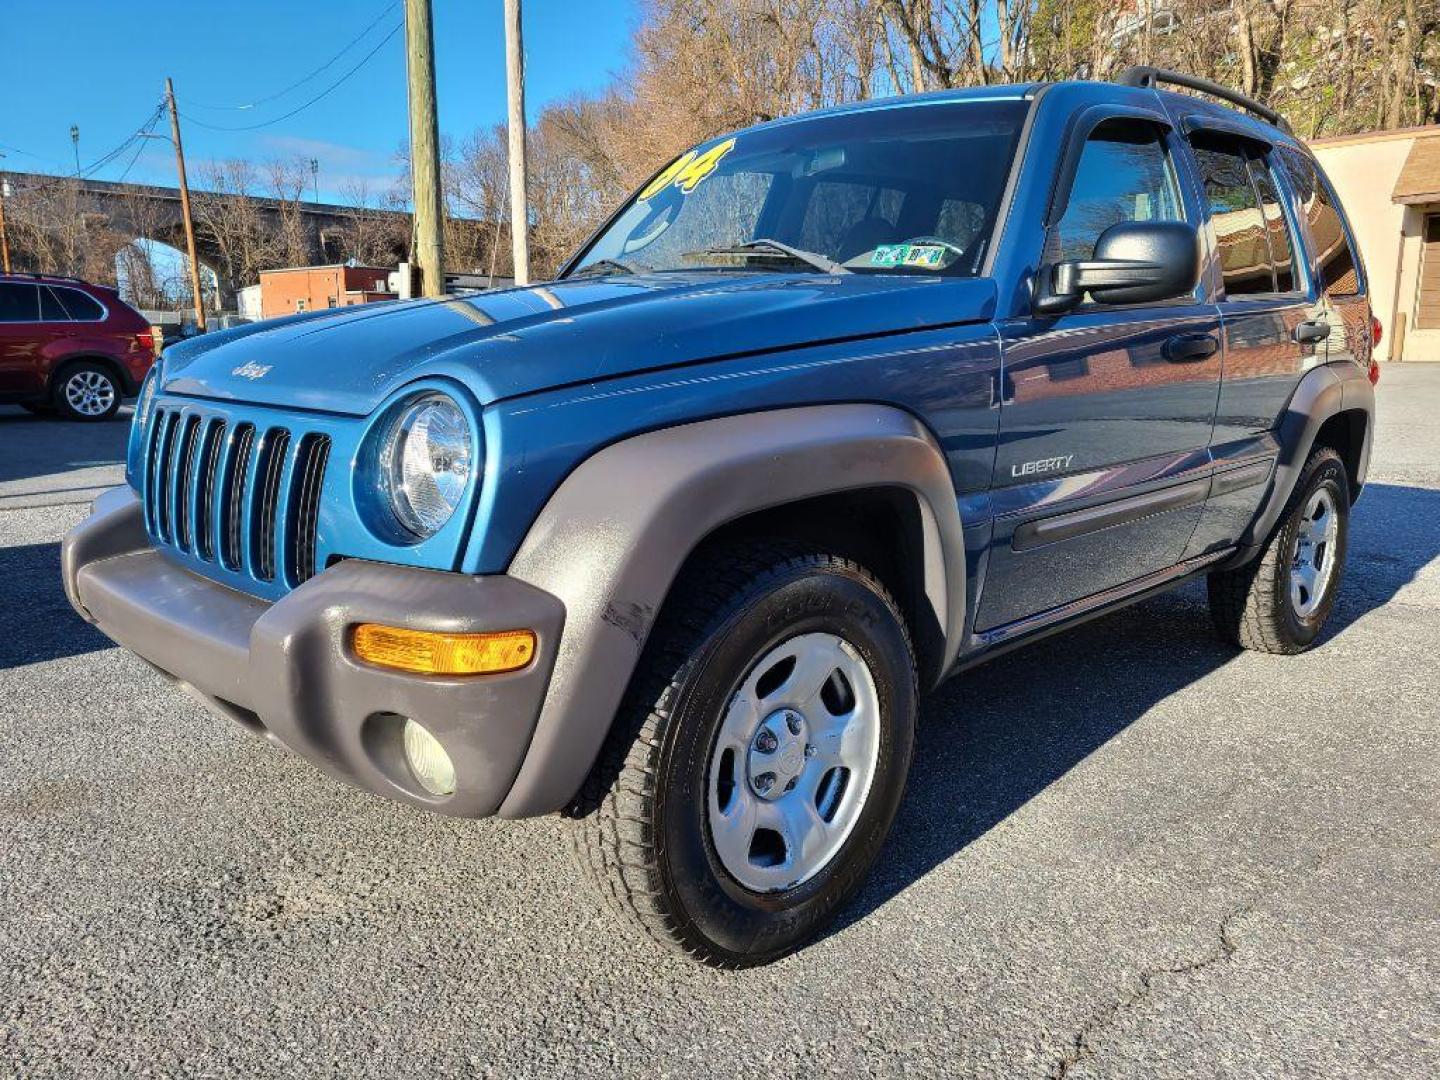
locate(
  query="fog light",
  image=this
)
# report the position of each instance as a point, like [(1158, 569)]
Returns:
[(428, 761), (430, 653)]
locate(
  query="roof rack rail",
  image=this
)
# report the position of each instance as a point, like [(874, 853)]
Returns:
[(42, 277), (1147, 77)]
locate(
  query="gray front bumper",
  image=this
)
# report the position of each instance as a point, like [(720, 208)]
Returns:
[(284, 669)]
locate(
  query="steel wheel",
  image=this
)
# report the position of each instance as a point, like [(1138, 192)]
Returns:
[(1312, 567), (793, 762), (90, 393)]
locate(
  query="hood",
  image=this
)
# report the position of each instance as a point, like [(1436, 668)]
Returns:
[(518, 341)]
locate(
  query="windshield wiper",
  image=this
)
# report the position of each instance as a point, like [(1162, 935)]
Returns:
[(764, 247), (607, 266)]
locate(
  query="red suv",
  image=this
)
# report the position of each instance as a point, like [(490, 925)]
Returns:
[(69, 346)]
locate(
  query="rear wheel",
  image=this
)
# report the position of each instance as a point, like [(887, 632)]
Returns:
[(87, 391), (1279, 602), (760, 757)]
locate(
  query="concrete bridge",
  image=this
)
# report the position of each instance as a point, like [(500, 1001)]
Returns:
[(153, 212)]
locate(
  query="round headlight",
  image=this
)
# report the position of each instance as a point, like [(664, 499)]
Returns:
[(425, 463)]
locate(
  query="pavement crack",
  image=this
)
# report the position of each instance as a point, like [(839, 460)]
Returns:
[(1082, 1048)]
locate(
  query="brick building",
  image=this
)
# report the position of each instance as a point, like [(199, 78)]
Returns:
[(311, 288)]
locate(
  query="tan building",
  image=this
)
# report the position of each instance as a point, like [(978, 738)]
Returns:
[(313, 288), (1389, 182)]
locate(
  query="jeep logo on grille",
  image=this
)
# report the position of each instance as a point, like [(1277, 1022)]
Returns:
[(251, 370)]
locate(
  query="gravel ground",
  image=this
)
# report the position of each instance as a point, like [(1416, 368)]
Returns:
[(1126, 851)]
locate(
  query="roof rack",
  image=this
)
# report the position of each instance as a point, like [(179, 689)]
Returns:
[(1147, 77), (42, 277)]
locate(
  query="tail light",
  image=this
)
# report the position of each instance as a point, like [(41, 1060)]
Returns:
[(1376, 331), (1374, 371), (145, 339)]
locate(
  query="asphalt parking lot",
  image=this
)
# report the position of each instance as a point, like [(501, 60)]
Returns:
[(1126, 851)]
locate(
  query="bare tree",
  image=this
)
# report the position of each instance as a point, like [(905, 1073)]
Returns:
[(229, 217)]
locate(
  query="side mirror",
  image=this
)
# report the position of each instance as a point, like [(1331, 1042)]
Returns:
[(1135, 262)]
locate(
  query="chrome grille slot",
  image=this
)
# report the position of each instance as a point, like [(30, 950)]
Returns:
[(303, 531), (232, 510), (159, 424), (180, 480), (268, 479), (164, 479), (205, 476)]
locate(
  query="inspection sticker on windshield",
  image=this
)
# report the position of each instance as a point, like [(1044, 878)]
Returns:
[(686, 171), (929, 256)]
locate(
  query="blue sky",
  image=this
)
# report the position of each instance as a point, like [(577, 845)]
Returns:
[(102, 64)]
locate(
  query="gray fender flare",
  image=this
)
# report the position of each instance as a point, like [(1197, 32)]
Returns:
[(1322, 393), (611, 539)]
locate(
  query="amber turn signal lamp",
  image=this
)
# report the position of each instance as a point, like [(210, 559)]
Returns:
[(427, 652)]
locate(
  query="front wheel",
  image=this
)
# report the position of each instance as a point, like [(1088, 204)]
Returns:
[(1279, 602), (760, 757)]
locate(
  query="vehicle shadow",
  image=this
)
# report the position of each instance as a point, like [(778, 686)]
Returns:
[(33, 446), (994, 737), (37, 622)]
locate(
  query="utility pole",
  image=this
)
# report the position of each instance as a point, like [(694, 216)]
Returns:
[(75, 142), (4, 239), (429, 209), (185, 208), (315, 175), (515, 92)]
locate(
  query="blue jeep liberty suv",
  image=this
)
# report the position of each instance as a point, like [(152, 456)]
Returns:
[(833, 408)]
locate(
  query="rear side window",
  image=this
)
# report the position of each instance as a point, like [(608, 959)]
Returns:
[(18, 303), (1255, 254), (1124, 174), (1277, 229), (1338, 269), (80, 307), (50, 309)]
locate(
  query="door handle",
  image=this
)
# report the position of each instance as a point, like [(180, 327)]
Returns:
[(1311, 331), (1189, 348)]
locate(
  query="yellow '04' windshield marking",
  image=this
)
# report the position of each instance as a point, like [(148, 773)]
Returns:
[(686, 171)]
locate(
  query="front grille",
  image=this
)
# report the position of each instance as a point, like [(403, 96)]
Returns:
[(236, 496)]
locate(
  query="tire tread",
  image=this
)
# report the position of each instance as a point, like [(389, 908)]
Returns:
[(1247, 603), (611, 834)]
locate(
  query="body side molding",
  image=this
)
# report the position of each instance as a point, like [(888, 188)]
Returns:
[(611, 539)]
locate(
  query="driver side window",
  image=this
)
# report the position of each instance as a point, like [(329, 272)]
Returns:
[(1124, 174)]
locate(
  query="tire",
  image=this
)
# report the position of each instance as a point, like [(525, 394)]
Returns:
[(88, 392), (671, 783), (1266, 605)]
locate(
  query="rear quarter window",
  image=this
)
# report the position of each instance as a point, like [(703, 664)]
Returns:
[(80, 307), (1337, 268)]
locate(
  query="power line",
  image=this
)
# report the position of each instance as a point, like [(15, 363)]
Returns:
[(312, 75), (25, 153), (139, 146), (89, 171), (299, 109)]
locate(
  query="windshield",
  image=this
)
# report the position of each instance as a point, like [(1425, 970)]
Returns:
[(898, 190)]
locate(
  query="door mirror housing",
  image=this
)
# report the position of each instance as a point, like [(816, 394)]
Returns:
[(1135, 262)]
